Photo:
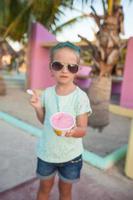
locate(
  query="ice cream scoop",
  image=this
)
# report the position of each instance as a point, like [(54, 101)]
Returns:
[(62, 122)]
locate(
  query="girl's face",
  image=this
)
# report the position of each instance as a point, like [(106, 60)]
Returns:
[(66, 57)]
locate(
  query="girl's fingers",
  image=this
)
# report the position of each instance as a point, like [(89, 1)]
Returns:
[(68, 134), (35, 95), (34, 98), (32, 92)]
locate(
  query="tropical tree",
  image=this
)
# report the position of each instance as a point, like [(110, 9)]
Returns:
[(105, 55)]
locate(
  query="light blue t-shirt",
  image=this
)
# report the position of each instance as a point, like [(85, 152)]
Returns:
[(57, 149)]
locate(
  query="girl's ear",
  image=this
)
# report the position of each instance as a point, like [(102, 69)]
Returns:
[(51, 72)]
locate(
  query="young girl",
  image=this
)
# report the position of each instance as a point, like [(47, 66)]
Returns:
[(62, 154)]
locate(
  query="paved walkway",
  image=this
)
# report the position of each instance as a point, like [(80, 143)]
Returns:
[(18, 160)]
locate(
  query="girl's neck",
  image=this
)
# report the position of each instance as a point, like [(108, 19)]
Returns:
[(65, 89)]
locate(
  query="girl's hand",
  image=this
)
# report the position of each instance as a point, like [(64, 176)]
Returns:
[(81, 127), (70, 133), (35, 100)]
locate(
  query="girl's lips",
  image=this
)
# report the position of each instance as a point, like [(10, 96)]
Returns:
[(63, 76)]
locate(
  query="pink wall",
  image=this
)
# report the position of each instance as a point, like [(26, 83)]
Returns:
[(39, 76), (83, 80), (127, 84)]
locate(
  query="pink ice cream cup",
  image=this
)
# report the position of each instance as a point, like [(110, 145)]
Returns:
[(62, 122)]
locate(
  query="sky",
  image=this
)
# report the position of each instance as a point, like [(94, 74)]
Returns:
[(87, 26)]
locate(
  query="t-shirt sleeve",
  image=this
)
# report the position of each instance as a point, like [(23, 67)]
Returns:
[(83, 104)]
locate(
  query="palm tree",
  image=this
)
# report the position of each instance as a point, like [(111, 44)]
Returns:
[(106, 54)]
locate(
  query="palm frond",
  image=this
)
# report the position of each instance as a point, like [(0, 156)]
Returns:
[(104, 8), (13, 25), (70, 22)]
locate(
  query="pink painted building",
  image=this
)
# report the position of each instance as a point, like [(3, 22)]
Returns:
[(39, 76), (127, 83)]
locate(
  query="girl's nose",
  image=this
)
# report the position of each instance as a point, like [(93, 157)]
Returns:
[(65, 69)]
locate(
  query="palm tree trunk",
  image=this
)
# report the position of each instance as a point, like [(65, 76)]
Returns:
[(99, 93)]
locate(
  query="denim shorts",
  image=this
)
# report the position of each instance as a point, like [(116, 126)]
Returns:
[(67, 171)]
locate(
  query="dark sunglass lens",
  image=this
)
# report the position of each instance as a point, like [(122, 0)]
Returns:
[(57, 66), (73, 68)]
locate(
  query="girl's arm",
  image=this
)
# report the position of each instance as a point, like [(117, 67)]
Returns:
[(81, 128), (40, 113), (36, 103)]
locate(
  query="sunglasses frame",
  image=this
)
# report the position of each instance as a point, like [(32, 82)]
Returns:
[(62, 65)]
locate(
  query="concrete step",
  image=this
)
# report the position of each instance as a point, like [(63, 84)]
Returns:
[(14, 80)]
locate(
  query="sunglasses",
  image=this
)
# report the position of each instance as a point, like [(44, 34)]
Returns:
[(57, 66)]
